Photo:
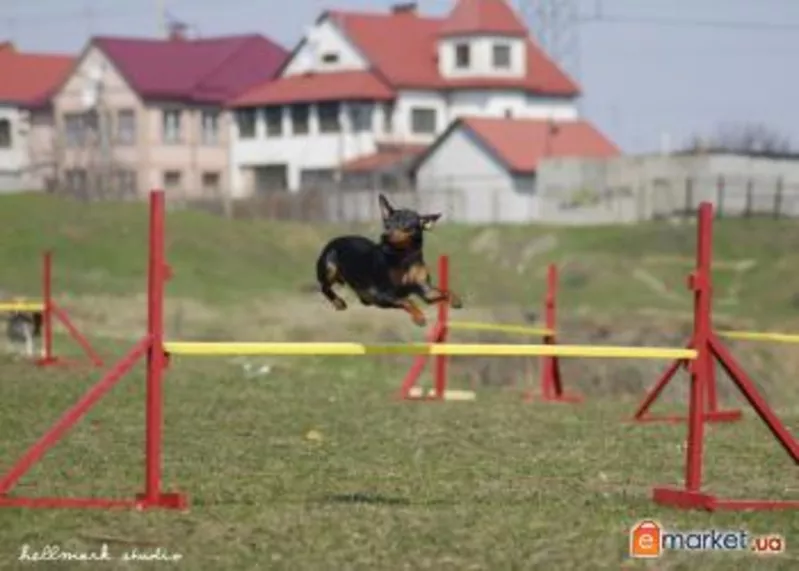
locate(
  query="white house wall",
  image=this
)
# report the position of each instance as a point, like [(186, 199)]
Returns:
[(481, 54), (298, 152), (14, 159), (496, 103), (325, 37), (477, 185)]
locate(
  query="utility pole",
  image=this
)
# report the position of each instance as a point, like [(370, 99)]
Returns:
[(160, 9)]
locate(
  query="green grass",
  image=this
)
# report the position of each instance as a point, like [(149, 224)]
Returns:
[(494, 484)]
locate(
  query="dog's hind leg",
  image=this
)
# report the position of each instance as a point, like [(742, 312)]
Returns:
[(328, 274), (432, 294)]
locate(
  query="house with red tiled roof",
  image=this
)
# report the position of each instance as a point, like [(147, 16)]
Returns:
[(139, 113), (493, 163), (26, 119), (368, 88)]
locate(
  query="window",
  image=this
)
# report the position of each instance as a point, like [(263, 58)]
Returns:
[(245, 120), (74, 131), (126, 127), (274, 121), (299, 119), (170, 124), (361, 117), (329, 121), (5, 134), (210, 127), (172, 180), (211, 182), (271, 178), (501, 56), (462, 56), (330, 57), (126, 182), (423, 121), (76, 180), (388, 117)]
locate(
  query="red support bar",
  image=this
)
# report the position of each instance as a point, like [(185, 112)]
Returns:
[(51, 312), (440, 361), (155, 357), (72, 415), (551, 382), (73, 331), (47, 300)]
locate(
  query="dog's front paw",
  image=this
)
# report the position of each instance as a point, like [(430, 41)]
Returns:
[(455, 302), (339, 304)]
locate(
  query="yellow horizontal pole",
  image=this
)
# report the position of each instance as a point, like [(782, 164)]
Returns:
[(21, 306), (500, 327), (760, 336), (353, 349)]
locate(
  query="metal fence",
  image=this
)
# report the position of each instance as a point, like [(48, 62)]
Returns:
[(549, 204)]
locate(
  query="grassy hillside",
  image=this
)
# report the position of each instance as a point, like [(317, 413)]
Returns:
[(311, 465), (101, 249)]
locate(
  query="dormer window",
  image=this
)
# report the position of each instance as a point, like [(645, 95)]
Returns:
[(501, 56), (463, 56), (330, 58)]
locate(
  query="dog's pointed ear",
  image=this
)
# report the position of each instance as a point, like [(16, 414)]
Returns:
[(429, 220), (386, 209)]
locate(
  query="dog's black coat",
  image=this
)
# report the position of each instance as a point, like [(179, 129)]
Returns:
[(385, 273)]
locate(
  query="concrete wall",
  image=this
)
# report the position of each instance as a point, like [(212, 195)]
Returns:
[(633, 188)]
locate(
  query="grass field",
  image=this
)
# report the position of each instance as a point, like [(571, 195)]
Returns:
[(312, 465)]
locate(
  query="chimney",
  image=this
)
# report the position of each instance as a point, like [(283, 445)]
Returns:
[(404, 8), (177, 31)]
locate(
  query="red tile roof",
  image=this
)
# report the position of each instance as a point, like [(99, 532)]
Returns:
[(386, 157), (29, 79), (349, 85), (522, 143), (483, 17), (210, 70), (402, 49)]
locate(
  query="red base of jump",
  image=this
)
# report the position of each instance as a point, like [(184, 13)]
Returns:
[(731, 415), (163, 501), (683, 499)]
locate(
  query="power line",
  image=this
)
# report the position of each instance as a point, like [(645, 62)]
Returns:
[(602, 18)]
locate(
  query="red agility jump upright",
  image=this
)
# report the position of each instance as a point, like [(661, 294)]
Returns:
[(551, 385), (151, 348), (710, 350), (52, 312)]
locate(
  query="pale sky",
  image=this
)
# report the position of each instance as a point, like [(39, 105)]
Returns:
[(647, 67)]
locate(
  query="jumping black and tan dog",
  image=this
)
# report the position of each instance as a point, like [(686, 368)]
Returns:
[(387, 273)]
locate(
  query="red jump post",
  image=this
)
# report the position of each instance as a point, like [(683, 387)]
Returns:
[(151, 347), (700, 281), (438, 334), (711, 350), (551, 380), (52, 312)]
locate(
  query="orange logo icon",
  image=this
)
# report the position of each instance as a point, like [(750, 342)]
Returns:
[(645, 539)]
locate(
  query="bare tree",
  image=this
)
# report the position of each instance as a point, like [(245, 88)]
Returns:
[(748, 138)]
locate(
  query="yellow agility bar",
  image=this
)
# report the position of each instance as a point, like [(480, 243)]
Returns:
[(496, 350), (760, 336), (21, 306), (500, 327)]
